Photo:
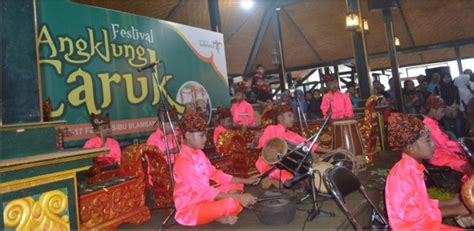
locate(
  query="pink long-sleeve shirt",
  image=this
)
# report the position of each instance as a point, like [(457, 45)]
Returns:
[(158, 139), (242, 113), (217, 131), (339, 103), (192, 172), (273, 131), (109, 158), (445, 149), (408, 204)]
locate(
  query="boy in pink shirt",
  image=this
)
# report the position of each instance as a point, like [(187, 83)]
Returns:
[(285, 118), (157, 138), (242, 111), (101, 125), (224, 119), (446, 152), (335, 100), (196, 201), (406, 197)]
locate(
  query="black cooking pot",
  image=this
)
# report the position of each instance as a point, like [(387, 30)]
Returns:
[(276, 207)]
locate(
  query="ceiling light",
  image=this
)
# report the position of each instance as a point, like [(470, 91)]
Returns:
[(246, 4)]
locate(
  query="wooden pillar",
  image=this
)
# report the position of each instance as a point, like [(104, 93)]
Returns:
[(360, 53), (457, 52), (392, 53), (214, 15), (279, 48)]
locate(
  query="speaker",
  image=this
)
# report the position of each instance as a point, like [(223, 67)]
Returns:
[(441, 70), (377, 5)]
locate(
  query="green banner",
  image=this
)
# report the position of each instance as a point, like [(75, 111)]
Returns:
[(89, 58)]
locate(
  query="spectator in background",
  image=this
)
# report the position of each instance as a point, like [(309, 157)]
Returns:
[(298, 99), (352, 93), (308, 97), (314, 108), (380, 89), (433, 86), (462, 82), (470, 116), (448, 91), (261, 90), (420, 79), (391, 91), (424, 94), (411, 97)]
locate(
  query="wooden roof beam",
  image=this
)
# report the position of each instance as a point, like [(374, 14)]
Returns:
[(313, 50), (267, 15)]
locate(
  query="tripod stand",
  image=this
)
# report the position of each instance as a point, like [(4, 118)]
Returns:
[(164, 109), (315, 210)]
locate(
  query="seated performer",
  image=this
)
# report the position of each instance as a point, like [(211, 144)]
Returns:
[(445, 150), (224, 119), (335, 100), (101, 125), (242, 111), (285, 119), (407, 201), (158, 139), (196, 201)]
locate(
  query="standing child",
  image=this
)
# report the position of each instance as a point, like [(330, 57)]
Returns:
[(339, 103), (242, 111), (101, 125), (196, 201)]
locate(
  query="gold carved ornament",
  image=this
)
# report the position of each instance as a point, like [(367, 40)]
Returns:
[(43, 214)]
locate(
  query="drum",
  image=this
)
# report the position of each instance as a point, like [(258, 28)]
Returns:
[(338, 157), (276, 152), (346, 135), (467, 193)]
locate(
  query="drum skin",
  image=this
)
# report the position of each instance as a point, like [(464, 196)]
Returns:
[(467, 193), (319, 183)]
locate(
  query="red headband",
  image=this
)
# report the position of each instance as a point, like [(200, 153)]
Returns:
[(403, 130)]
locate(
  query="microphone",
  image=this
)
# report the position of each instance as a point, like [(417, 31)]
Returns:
[(140, 69), (297, 178)]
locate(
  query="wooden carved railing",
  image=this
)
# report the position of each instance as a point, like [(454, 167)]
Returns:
[(120, 199)]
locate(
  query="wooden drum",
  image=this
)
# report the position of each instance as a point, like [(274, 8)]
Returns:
[(346, 135)]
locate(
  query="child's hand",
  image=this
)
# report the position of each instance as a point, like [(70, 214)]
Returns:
[(253, 180), (245, 199)]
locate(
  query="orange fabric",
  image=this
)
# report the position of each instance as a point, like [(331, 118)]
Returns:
[(218, 130), (242, 113), (408, 204), (192, 192), (339, 103), (270, 132), (211, 211), (445, 149)]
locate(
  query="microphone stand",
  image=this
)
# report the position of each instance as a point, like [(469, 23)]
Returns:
[(315, 210), (165, 108)]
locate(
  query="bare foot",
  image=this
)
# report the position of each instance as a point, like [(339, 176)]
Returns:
[(231, 220)]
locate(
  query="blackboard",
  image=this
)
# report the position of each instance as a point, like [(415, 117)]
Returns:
[(19, 97)]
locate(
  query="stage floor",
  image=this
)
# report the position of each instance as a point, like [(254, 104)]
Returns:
[(372, 179)]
